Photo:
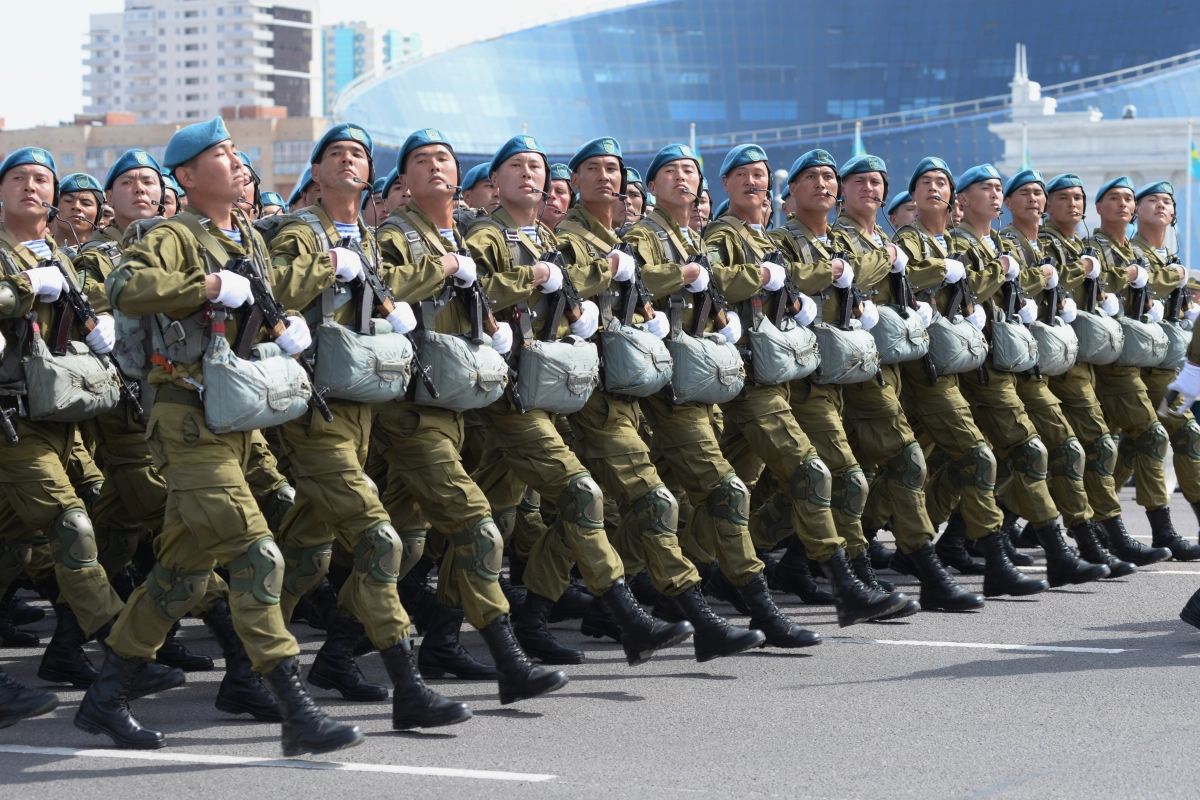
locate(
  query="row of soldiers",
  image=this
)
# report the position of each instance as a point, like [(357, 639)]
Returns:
[(283, 415)]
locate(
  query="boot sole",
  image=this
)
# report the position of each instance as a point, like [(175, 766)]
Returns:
[(597, 633), (1095, 575), (410, 724), (230, 707), (437, 673), (1037, 587), (49, 705), (951, 605), (87, 726), (750, 644), (1121, 572), (52, 676), (1190, 619), (896, 604), (354, 738), (187, 666), (910, 608), (324, 683), (509, 698), (642, 656)]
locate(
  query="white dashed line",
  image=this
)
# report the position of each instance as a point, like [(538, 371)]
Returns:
[(1033, 648)]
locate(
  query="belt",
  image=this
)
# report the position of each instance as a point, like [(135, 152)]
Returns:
[(175, 394)]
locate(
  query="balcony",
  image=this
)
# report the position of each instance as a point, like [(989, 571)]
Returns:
[(98, 61), (142, 105), (141, 70)]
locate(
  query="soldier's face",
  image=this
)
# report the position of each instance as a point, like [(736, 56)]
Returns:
[(701, 212), (669, 184), (814, 189), (557, 203), (24, 190), (342, 166), (78, 204), (597, 179), (171, 204), (1027, 203), (744, 184), (135, 194), (1116, 206), (272, 211), (217, 174), (982, 200), (637, 201), (482, 195), (1065, 207), (904, 214), (521, 180), (864, 193), (1157, 209), (429, 172), (932, 192)]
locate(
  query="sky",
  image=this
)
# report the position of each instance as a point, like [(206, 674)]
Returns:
[(41, 69)]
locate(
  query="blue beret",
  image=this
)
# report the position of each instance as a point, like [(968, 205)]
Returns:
[(605, 146), (1158, 187), (191, 141), (515, 146), (560, 172), (672, 152), (173, 185), (273, 199), (1120, 182), (28, 155), (343, 132), (477, 173), (302, 184), (1021, 178), (723, 208), (632, 175), (813, 158), (744, 154), (130, 160), (930, 164), (421, 138), (863, 163), (389, 181), (245, 159), (897, 201), (703, 184), (79, 182), (978, 174), (377, 187), (786, 193), (1063, 181)]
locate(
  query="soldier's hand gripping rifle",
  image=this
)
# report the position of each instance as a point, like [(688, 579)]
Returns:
[(566, 302), (74, 307), (711, 303), (267, 312), (634, 294), (1014, 300)]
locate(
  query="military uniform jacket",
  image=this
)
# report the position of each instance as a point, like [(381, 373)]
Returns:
[(1116, 256), (927, 265), (1164, 278), (870, 258), (738, 249), (99, 256), (1029, 252), (16, 258), (1065, 249), (586, 243), (661, 247)]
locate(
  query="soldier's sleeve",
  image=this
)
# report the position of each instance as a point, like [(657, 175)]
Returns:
[(737, 279), (660, 276), (299, 270), (160, 275), (985, 274), (810, 278), (1116, 279), (94, 268), (923, 272), (1070, 272), (505, 283), (870, 269), (17, 291), (410, 282), (1163, 281), (591, 276), (1032, 281)]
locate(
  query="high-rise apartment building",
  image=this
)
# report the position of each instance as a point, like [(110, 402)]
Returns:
[(350, 50)]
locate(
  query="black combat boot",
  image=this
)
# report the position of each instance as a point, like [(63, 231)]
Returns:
[(718, 586), (1085, 535), (641, 634), (1195, 510), (440, 652), (64, 660), (415, 705), (306, 728), (1126, 548), (855, 602), (938, 590), (573, 604), (335, 668), (764, 616), (516, 571), (865, 572), (792, 575), (1191, 612), (598, 622), (105, 706), (714, 637), (1023, 536), (174, 654), (951, 548), (666, 609), (1063, 567), (10, 634), (515, 595), (531, 630), (322, 605), (1001, 576), (418, 597), (20, 612), (18, 702), (881, 557), (241, 690), (643, 588), (1166, 536), (519, 678), (1008, 530)]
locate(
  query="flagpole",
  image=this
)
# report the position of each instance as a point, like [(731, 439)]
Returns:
[(1025, 145), (1187, 221)]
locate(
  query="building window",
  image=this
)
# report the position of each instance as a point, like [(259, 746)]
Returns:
[(190, 31), (66, 159), (191, 97), (769, 110), (193, 114), (697, 110), (191, 81)]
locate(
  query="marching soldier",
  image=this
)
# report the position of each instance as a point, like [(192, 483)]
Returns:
[(478, 190), (80, 200), (901, 210), (560, 198)]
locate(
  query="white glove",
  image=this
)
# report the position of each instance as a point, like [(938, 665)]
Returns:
[(869, 315), (1183, 278), (588, 322), (1111, 306), (1069, 310), (1052, 281), (466, 274), (847, 274), (1091, 267), (1187, 383), (1156, 311), (700, 284), (732, 331), (955, 271), (660, 326), (1140, 279), (1028, 311), (626, 266), (235, 290), (47, 283), (103, 336), (347, 266), (1192, 312), (554, 282), (807, 312), (775, 274), (296, 338), (502, 339), (1011, 268), (978, 317), (402, 318), (925, 312), (900, 265)]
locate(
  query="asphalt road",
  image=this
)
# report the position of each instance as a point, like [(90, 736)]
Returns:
[(1094, 700)]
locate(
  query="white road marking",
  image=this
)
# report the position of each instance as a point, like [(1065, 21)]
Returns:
[(1033, 648), (283, 763), (1144, 571)]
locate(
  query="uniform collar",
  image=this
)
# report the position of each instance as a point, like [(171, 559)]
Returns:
[(581, 216), (414, 210), (845, 220)]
